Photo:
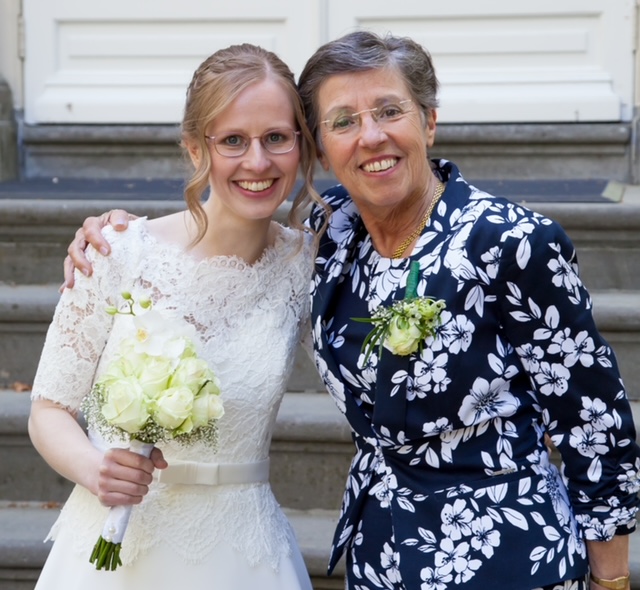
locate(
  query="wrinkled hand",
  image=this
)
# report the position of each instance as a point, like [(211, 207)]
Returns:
[(91, 233), (124, 476)]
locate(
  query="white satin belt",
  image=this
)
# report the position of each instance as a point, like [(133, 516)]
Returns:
[(213, 474)]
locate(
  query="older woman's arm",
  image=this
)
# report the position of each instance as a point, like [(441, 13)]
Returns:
[(609, 559), (547, 309)]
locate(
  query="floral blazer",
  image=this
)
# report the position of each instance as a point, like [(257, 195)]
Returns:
[(450, 441)]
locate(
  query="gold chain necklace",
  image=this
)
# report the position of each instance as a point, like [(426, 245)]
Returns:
[(399, 251)]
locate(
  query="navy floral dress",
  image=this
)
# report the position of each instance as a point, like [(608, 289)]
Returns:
[(451, 483)]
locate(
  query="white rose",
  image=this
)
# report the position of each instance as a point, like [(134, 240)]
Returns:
[(206, 408), (172, 407), (191, 372), (115, 371), (153, 375), (403, 337), (126, 405), (125, 365), (211, 386)]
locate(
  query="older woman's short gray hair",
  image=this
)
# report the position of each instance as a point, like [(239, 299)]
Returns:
[(361, 51)]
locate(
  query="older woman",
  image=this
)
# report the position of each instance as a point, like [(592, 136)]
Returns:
[(452, 484)]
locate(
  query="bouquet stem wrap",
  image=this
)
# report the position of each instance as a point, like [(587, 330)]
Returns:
[(106, 552)]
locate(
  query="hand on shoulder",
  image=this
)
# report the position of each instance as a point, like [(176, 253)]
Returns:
[(91, 233)]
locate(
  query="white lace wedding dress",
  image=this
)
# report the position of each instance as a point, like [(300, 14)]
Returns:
[(249, 319)]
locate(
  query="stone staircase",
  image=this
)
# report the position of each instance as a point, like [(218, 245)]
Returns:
[(311, 446)]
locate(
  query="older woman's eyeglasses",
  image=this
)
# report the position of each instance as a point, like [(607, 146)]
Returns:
[(234, 145), (343, 123)]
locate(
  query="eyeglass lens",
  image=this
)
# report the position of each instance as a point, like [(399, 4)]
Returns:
[(342, 122), (276, 141)]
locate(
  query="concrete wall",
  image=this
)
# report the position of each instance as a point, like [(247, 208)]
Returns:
[(10, 48), (8, 136), (10, 86)]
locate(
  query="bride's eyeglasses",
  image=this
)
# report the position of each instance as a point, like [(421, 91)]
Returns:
[(275, 141)]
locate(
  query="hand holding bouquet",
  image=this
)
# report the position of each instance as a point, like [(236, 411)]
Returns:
[(156, 389)]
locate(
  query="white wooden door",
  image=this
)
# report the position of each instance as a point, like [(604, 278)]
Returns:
[(514, 61), (130, 61)]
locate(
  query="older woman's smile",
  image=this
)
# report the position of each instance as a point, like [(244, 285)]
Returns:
[(380, 165)]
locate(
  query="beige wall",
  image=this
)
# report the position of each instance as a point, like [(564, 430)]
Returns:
[(10, 61)]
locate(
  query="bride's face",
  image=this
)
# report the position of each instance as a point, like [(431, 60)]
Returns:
[(253, 184)]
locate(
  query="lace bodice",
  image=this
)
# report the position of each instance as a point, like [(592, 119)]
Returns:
[(249, 319)]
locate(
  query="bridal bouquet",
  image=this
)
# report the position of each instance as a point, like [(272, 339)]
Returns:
[(156, 389), (403, 327)]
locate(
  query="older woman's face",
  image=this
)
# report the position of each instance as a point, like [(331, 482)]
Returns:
[(379, 156)]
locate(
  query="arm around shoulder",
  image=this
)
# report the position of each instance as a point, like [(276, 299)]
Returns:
[(91, 234)]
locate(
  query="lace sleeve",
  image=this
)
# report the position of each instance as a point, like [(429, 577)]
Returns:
[(78, 332)]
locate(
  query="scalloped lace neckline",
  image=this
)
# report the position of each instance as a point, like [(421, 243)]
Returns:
[(271, 253)]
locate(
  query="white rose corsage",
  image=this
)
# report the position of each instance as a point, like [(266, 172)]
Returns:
[(403, 327), (156, 389)]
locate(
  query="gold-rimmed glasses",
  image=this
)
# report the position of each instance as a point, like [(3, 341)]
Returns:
[(340, 122)]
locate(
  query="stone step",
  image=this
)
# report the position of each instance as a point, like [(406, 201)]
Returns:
[(26, 310), (606, 238), (310, 454), (617, 315), (34, 234), (23, 526), (573, 150)]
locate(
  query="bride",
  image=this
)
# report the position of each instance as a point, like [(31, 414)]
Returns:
[(242, 280)]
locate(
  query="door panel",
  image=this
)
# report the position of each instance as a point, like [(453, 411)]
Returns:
[(505, 61), (131, 61)]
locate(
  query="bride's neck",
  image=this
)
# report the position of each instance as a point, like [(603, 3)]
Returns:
[(231, 237)]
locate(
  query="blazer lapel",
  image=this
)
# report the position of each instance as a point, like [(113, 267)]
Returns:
[(320, 306), (391, 388)]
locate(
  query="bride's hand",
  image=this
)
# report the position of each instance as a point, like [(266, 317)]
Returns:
[(91, 233), (124, 476)]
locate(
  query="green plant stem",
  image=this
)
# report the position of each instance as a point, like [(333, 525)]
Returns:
[(412, 280), (106, 555)]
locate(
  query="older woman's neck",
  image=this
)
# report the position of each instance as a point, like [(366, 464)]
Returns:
[(392, 228)]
